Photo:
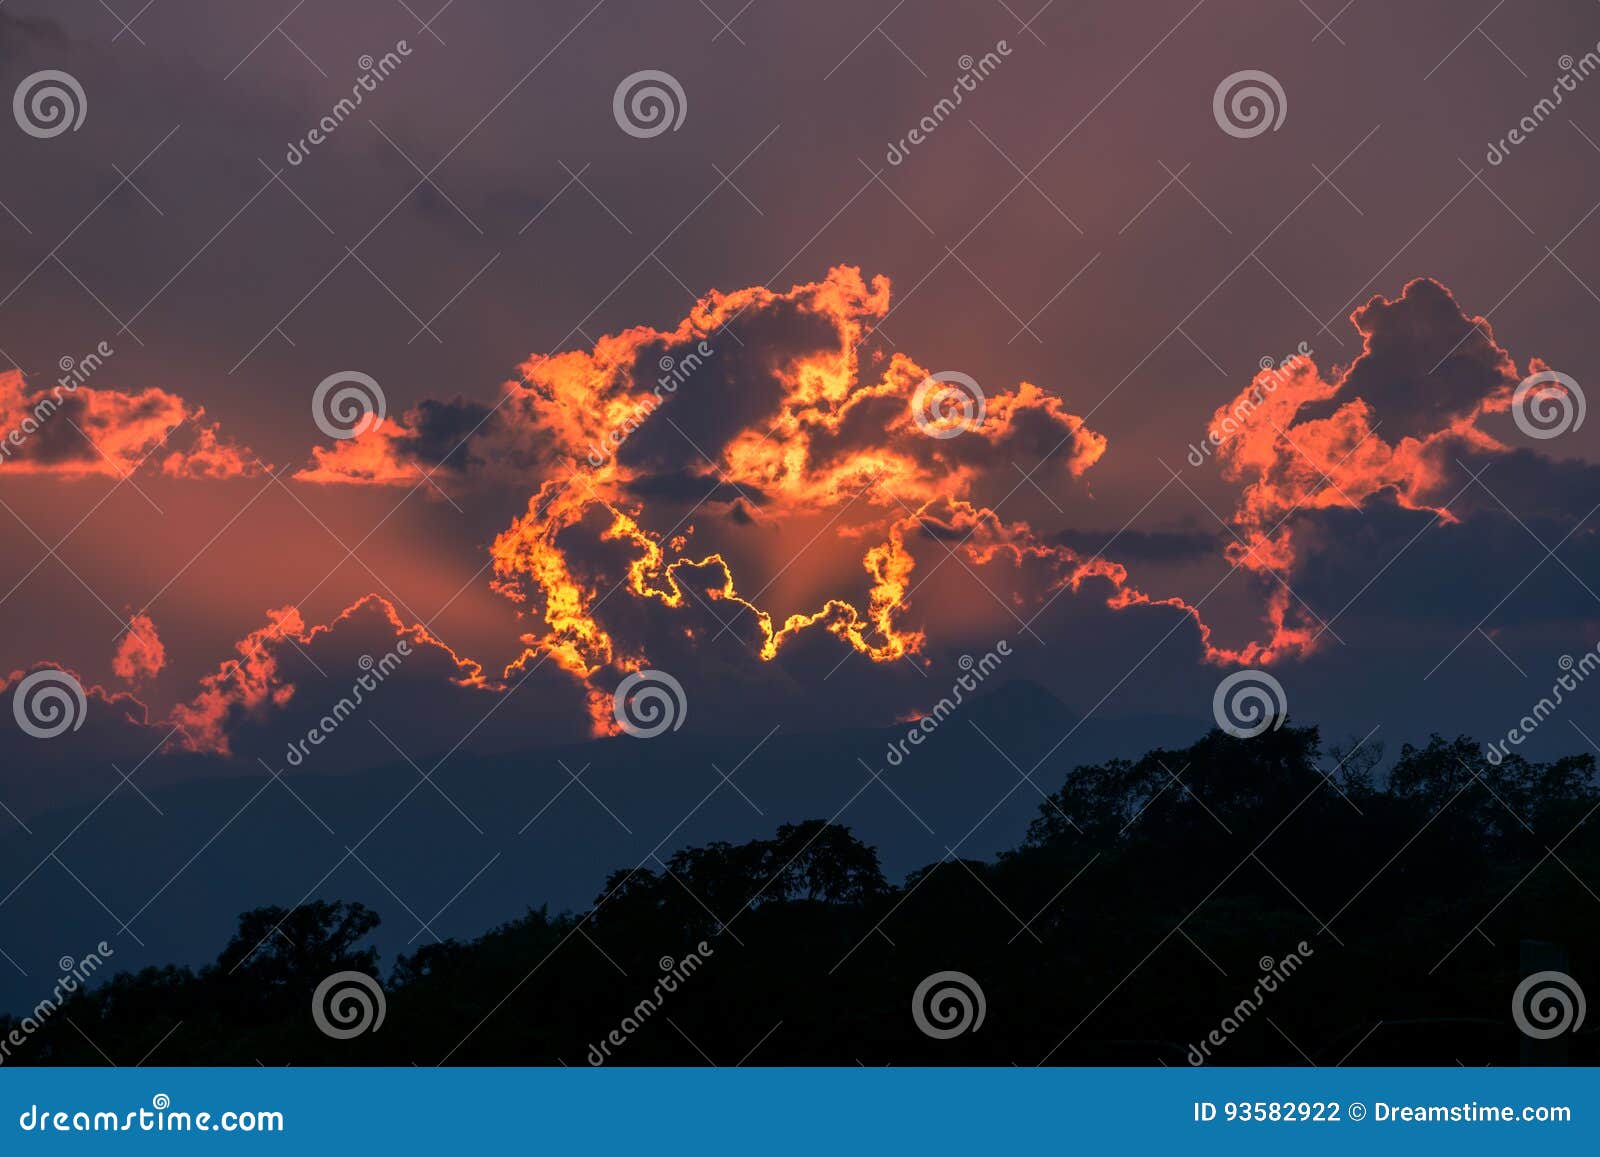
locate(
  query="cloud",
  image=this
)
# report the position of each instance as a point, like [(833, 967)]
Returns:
[(84, 747), (760, 411), (1402, 430), (1426, 375), (251, 692), (685, 470), (140, 655), (1144, 545), (71, 430), (771, 383), (759, 494)]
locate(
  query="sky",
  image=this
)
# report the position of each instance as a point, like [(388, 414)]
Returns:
[(721, 353)]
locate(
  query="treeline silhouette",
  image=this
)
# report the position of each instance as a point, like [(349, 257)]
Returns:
[(1146, 902)]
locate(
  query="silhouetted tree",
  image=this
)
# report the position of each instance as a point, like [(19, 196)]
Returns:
[(1129, 922)]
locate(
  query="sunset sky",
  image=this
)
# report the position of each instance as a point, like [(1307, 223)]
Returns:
[(537, 517)]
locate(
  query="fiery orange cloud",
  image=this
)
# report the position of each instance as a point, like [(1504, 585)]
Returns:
[(1453, 373), (140, 655), (74, 430), (1427, 373), (253, 683), (761, 393), (803, 425), (763, 405), (761, 419)]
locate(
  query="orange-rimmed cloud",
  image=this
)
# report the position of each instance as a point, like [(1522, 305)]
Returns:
[(1395, 421), (140, 654), (252, 686), (677, 474), (764, 404), (650, 455), (74, 430)]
